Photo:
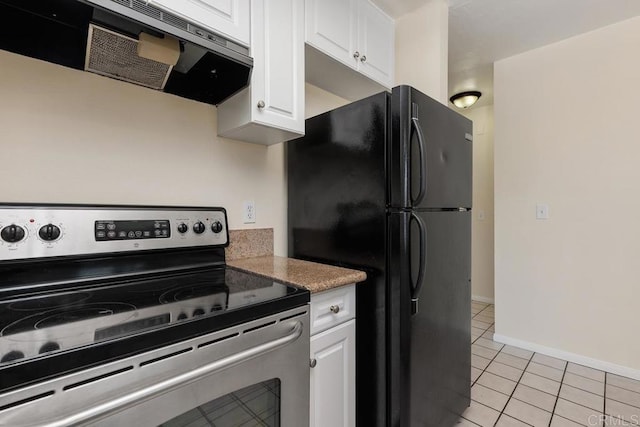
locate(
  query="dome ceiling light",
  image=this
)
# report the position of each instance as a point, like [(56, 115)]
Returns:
[(465, 99)]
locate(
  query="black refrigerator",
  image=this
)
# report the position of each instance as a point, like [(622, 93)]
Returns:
[(384, 185)]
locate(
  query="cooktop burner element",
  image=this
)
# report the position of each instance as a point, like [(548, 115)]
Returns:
[(64, 316), (45, 303), (80, 313), (182, 294), (85, 298)]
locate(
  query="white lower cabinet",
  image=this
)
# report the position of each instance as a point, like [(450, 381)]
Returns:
[(332, 359)]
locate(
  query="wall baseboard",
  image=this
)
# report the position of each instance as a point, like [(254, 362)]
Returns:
[(571, 357), (482, 299)]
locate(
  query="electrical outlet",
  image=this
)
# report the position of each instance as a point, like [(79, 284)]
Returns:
[(542, 211), (249, 212)]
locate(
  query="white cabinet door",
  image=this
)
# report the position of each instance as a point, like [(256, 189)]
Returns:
[(333, 377), (277, 46), (229, 18), (376, 39), (331, 26), (271, 110), (356, 34)]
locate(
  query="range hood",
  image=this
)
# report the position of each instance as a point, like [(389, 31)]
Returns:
[(105, 36)]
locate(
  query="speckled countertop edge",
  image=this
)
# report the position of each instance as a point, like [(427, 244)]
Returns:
[(312, 276)]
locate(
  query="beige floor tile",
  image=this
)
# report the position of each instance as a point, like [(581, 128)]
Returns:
[(489, 344), (488, 335), (541, 383), (583, 383), (475, 373), (477, 331), (518, 352), (479, 362), (557, 421), (505, 371), (481, 415), (585, 371), (510, 360), (582, 397), (479, 324), (492, 328), (549, 361), (497, 383), (528, 413), (507, 421), (615, 421), (484, 318), (487, 353), (465, 423), (622, 395), (623, 382), (631, 414), (535, 397), (489, 397), (545, 371), (578, 413)]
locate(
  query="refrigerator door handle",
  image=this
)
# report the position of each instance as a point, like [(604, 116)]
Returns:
[(422, 149), (415, 288)]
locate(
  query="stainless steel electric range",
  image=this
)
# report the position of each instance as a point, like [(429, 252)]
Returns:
[(120, 315)]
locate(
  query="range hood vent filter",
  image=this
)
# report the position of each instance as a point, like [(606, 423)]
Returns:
[(115, 55)]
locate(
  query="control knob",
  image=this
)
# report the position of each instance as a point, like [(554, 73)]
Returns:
[(182, 228), (12, 233), (216, 227), (198, 227), (49, 232)]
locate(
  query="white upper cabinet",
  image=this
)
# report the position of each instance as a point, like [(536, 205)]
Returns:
[(229, 18), (376, 40), (355, 33), (271, 110), (331, 26)]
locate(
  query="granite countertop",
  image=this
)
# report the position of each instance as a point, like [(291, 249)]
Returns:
[(309, 275)]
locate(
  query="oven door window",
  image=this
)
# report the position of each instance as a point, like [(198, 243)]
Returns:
[(256, 405)]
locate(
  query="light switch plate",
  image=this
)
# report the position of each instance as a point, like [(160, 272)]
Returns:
[(542, 211)]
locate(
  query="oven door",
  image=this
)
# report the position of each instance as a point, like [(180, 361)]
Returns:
[(254, 374)]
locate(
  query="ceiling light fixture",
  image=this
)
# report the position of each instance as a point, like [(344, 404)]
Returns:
[(465, 99)]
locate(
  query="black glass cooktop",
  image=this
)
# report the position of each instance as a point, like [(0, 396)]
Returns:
[(35, 323), (48, 333)]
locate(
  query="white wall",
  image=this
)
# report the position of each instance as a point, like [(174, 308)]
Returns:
[(566, 134), (68, 136), (482, 246), (422, 49)]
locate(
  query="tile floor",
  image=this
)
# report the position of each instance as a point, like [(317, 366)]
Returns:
[(515, 387)]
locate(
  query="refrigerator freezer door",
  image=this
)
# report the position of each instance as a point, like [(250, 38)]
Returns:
[(430, 153), (440, 352)]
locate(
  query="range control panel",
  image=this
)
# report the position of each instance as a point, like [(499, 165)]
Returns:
[(123, 230), (64, 230)]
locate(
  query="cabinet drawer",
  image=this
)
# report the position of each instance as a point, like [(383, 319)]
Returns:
[(333, 307)]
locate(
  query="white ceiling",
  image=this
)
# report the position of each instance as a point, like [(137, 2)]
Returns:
[(484, 31)]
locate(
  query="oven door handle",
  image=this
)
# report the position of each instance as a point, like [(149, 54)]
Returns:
[(116, 405)]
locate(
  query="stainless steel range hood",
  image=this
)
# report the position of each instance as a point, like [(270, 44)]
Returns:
[(102, 36)]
